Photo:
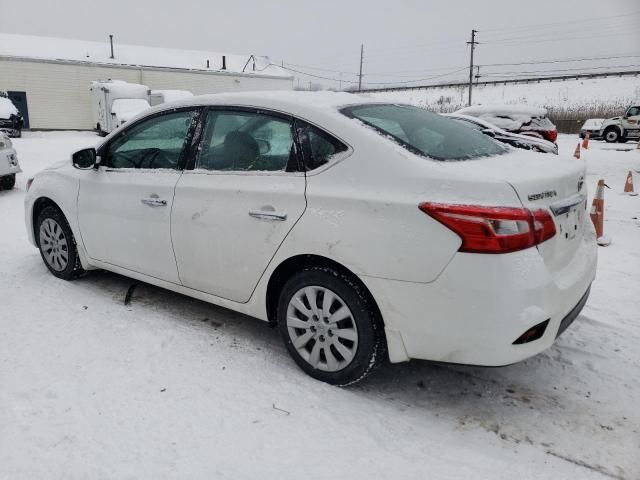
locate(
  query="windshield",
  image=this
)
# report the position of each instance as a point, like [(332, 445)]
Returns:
[(425, 133)]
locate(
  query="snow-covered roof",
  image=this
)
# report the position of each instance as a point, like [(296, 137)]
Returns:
[(64, 49), (286, 100), (506, 110), (7, 108)]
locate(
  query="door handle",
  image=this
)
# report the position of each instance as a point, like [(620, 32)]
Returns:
[(268, 213), (154, 202)]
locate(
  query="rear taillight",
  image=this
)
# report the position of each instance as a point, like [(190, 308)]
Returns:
[(551, 135), (493, 229)]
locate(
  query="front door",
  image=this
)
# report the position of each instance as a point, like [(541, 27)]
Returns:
[(19, 99), (124, 207), (232, 212)]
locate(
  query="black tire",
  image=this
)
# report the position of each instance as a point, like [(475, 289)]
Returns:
[(7, 182), (73, 268), (611, 135), (371, 345), (623, 140)]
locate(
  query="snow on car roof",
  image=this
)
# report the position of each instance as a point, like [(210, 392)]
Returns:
[(63, 49), (285, 100), (7, 108), (499, 110)]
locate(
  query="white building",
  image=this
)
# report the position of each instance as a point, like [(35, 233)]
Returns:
[(48, 78)]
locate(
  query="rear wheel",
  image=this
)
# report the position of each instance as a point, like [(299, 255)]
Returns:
[(7, 182), (611, 135), (57, 244), (330, 326)]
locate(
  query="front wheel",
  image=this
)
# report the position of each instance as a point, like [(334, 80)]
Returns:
[(7, 182), (611, 135), (330, 326), (57, 244)]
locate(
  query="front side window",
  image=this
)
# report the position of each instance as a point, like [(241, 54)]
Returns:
[(633, 112), (425, 133), (153, 143), (246, 141)]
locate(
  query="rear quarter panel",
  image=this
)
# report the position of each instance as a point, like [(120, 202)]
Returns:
[(363, 211)]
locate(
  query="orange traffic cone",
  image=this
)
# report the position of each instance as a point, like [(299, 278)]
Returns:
[(597, 215), (577, 152), (585, 141), (628, 185)]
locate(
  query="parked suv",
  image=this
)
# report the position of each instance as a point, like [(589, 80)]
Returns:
[(621, 129), (11, 120)]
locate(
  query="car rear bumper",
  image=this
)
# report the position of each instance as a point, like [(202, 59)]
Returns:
[(9, 162), (481, 304), (593, 134)]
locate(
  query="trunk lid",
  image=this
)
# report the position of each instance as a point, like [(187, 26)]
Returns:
[(541, 181)]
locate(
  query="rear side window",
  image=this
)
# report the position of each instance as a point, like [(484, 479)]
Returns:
[(246, 141), (318, 147), (425, 133)]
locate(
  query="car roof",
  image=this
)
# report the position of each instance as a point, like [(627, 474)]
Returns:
[(294, 102)]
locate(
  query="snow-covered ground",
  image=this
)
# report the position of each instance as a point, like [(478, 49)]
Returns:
[(577, 96), (171, 387)]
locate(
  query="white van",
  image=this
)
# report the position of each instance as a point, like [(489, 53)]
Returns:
[(115, 101), (163, 96)]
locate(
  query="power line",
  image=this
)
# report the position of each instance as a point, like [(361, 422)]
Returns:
[(565, 60), (322, 77), (586, 20), (512, 43)]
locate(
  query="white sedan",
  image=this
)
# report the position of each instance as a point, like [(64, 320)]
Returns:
[(364, 230), (9, 165)]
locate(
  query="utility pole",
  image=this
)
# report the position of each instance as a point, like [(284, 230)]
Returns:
[(360, 75), (473, 44)]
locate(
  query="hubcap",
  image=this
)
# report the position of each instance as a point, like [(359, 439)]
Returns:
[(53, 245), (611, 136), (322, 328)]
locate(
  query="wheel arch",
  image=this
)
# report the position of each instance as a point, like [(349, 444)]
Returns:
[(292, 265), (40, 204), (613, 127)]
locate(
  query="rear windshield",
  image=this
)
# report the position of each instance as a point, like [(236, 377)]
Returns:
[(425, 133), (543, 123)]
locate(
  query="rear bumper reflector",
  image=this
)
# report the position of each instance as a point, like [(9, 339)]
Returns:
[(534, 333), (573, 314)]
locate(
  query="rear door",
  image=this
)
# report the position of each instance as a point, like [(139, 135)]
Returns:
[(124, 207), (233, 210)]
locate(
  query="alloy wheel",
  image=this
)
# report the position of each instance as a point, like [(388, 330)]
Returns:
[(53, 244), (322, 328)]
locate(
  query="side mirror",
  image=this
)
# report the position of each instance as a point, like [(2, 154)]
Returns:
[(84, 159)]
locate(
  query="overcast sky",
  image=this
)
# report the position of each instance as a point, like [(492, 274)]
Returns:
[(404, 40)]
